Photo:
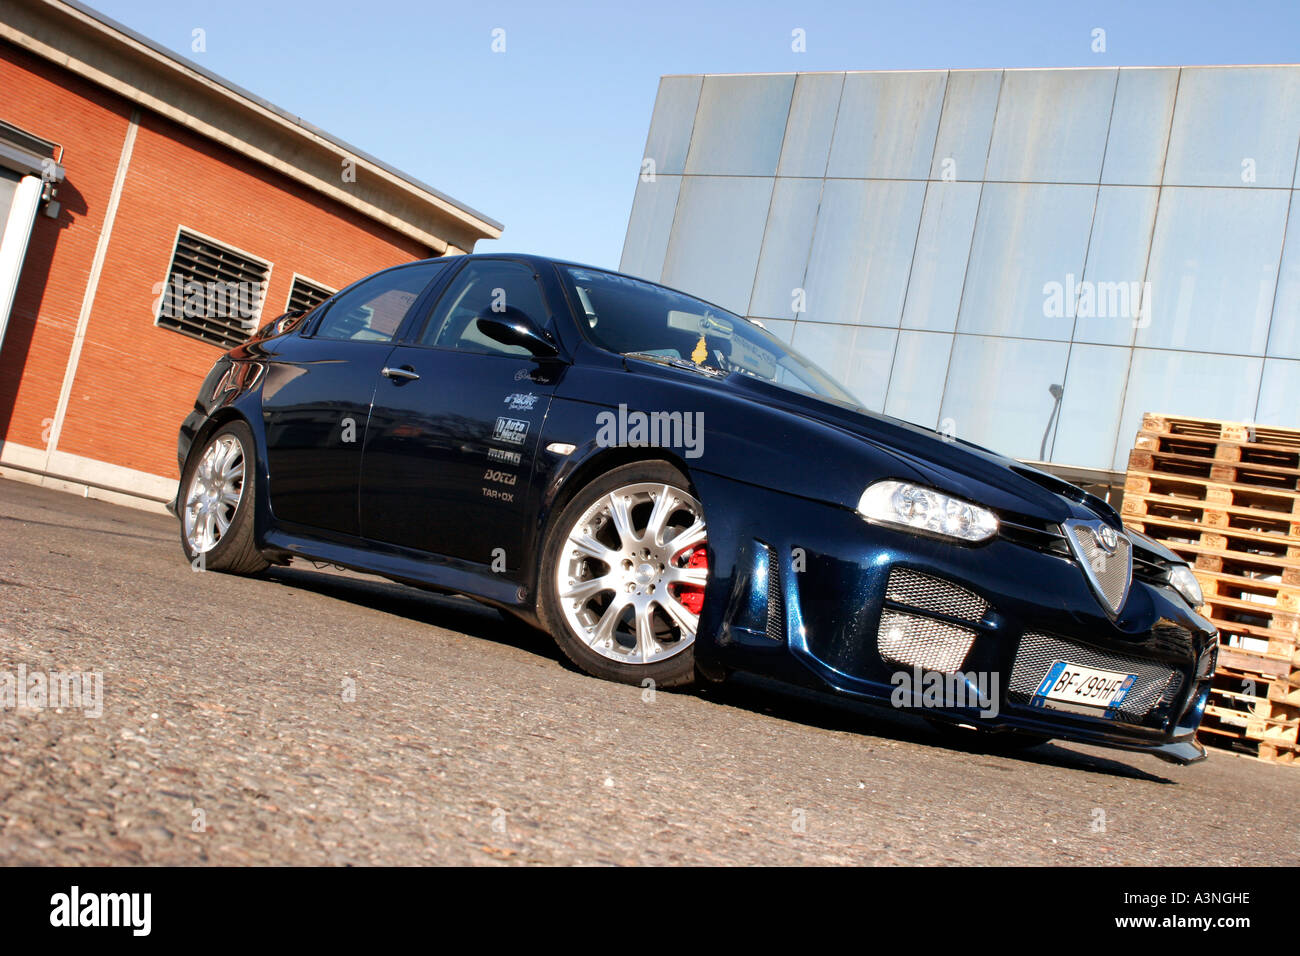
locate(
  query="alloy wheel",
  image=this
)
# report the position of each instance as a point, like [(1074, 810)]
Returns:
[(631, 577), (216, 488)]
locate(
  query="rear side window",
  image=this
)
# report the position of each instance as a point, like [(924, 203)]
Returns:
[(373, 309)]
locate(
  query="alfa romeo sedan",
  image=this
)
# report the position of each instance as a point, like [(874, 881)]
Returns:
[(674, 493)]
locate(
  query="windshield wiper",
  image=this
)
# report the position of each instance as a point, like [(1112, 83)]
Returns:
[(674, 362)]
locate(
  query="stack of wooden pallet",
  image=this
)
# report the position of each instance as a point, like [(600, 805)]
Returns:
[(1226, 496)]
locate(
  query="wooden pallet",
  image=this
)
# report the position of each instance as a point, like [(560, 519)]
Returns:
[(1191, 540), (1266, 666), (1214, 514), (1275, 724), (1278, 478), (1236, 715), (1220, 430), (1225, 496), (1275, 754), (1252, 593), (1190, 490), (1248, 568)]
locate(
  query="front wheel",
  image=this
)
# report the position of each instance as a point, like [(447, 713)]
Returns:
[(216, 510), (623, 579)]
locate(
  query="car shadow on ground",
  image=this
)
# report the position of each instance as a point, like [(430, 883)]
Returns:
[(449, 611), (758, 695), (828, 712)]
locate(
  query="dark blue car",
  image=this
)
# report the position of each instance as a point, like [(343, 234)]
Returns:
[(674, 493)]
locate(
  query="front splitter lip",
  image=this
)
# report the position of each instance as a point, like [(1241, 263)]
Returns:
[(1178, 748), (1181, 750)]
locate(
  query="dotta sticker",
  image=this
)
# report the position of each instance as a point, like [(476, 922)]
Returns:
[(510, 430)]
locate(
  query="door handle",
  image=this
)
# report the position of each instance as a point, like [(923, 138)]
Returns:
[(400, 374)]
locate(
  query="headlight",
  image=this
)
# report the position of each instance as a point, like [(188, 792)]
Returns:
[(1185, 583), (925, 510)]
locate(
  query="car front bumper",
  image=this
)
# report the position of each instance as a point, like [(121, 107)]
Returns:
[(803, 591)]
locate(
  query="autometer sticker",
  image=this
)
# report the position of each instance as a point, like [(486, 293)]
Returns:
[(512, 431)]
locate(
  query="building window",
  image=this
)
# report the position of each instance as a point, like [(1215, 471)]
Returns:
[(305, 295), (213, 292)]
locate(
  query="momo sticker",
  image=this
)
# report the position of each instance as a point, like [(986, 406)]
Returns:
[(510, 430), (500, 454)]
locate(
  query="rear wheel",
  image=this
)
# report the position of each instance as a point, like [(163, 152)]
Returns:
[(216, 509), (622, 586)]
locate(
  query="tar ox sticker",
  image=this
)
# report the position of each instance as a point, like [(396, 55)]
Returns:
[(510, 430)]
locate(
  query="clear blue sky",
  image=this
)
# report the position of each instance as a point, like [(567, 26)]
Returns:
[(547, 137)]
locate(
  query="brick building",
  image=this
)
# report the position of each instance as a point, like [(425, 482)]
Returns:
[(136, 191)]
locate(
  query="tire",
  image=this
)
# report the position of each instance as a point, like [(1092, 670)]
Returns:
[(225, 468), (640, 625)]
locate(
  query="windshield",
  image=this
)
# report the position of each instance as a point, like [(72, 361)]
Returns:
[(632, 317)]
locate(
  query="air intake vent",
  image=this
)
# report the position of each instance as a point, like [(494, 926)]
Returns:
[(1156, 688), (923, 642), (213, 293), (932, 594), (775, 598)]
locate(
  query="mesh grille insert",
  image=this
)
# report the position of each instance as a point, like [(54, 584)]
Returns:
[(934, 595), (775, 600), (1157, 683), (923, 642), (1108, 573)]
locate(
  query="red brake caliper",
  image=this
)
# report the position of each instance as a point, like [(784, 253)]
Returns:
[(692, 595)]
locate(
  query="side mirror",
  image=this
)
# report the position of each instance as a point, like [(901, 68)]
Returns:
[(280, 324), (512, 326)]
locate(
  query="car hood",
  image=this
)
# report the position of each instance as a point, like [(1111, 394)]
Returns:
[(950, 464)]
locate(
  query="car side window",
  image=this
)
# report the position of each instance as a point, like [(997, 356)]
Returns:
[(372, 310), (487, 286)]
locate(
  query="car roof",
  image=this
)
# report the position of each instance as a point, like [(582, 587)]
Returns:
[(536, 259)]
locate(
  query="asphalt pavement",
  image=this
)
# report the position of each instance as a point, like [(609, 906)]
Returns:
[(314, 716)]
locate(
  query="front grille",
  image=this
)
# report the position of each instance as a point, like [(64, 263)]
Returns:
[(923, 642), (1205, 664), (1040, 536), (932, 594), (1108, 573), (1157, 684)]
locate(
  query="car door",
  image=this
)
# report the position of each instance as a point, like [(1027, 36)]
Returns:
[(450, 447), (317, 393)]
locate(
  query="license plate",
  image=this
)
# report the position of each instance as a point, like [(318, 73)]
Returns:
[(1068, 686)]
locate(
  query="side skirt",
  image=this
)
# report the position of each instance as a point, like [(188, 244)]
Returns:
[(437, 572)]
